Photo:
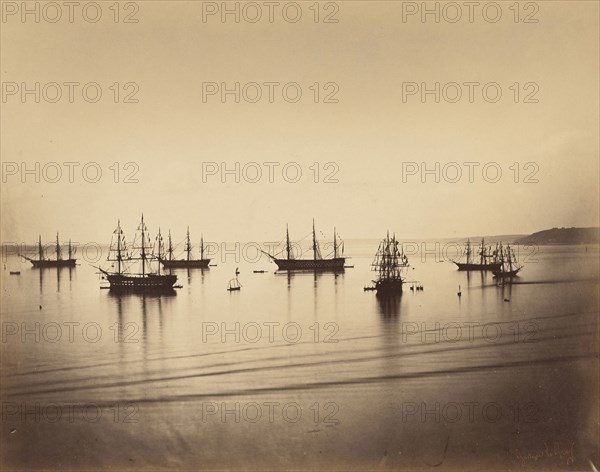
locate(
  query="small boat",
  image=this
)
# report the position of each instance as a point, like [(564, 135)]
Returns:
[(459, 293), (259, 271), (15, 272), (234, 285), (368, 288), (348, 267)]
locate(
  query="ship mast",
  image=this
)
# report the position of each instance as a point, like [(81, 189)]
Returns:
[(188, 246), (501, 257), (334, 244), (40, 248), (58, 256), (468, 251), (119, 256), (392, 259), (159, 238), (287, 242), (314, 242), (385, 263), (143, 252), (316, 250), (396, 264), (201, 246), (482, 252), (70, 250), (170, 251)]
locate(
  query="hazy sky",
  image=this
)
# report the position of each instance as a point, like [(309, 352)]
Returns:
[(369, 53)]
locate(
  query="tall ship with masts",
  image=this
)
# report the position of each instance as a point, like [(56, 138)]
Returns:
[(317, 262), (122, 278), (43, 261), (389, 263), (169, 262), (488, 258), (509, 267)]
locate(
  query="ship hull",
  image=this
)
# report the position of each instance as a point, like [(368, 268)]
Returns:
[(388, 287), (41, 264), (493, 266), (336, 264), (185, 264), (149, 283), (506, 274)]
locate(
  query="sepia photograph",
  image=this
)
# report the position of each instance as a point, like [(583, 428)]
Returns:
[(312, 235)]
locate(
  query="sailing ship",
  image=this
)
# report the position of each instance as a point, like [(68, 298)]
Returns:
[(318, 262), (508, 263), (58, 262), (488, 258), (389, 263), (188, 262), (147, 279)]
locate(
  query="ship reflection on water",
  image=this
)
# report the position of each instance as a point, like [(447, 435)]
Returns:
[(388, 306), (163, 363), (54, 274)]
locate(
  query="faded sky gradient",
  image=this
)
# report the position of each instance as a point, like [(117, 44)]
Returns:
[(369, 133)]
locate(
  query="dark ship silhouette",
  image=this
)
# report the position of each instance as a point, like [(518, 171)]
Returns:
[(171, 263), (488, 258), (389, 263), (317, 263), (122, 279), (509, 266), (43, 262)]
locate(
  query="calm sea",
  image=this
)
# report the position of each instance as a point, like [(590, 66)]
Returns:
[(305, 371)]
